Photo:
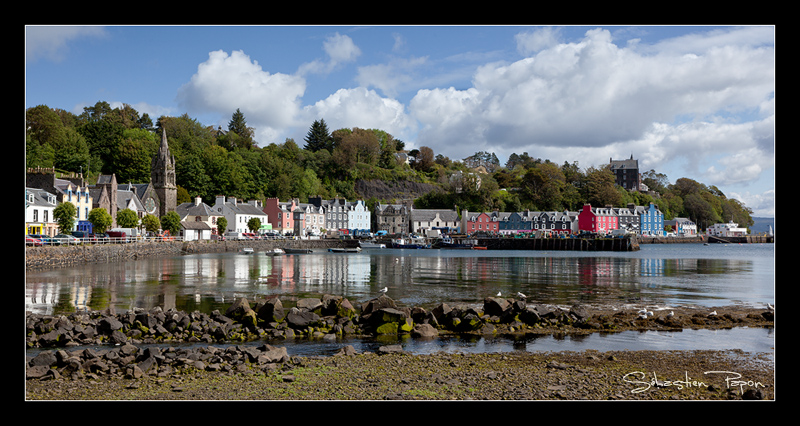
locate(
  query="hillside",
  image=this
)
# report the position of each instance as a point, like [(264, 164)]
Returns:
[(392, 190)]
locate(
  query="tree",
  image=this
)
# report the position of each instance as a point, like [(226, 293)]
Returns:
[(318, 137), (151, 223), (254, 224), (600, 189), (238, 125), (222, 225), (127, 218), (425, 159), (101, 220), (64, 214), (171, 222)]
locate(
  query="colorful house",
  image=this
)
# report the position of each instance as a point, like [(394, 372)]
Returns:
[(480, 222), (280, 215), (600, 220), (651, 220)]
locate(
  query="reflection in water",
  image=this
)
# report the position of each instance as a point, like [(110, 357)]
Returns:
[(655, 275)]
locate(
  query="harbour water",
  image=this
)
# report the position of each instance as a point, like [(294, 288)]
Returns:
[(658, 276)]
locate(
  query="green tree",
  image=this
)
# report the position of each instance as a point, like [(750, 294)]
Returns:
[(254, 224), (101, 220), (238, 125), (318, 137), (171, 222), (600, 190), (127, 218), (65, 214), (222, 225), (151, 223)]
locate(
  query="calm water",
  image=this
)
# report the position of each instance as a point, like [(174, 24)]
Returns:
[(658, 276)]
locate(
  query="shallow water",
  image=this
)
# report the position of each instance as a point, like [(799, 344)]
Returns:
[(658, 276)]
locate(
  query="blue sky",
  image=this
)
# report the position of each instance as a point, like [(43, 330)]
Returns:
[(694, 102)]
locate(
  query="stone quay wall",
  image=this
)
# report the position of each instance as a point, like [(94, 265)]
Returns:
[(63, 256)]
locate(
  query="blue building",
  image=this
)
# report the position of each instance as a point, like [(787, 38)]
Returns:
[(651, 220)]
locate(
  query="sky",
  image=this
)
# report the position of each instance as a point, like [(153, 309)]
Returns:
[(686, 101)]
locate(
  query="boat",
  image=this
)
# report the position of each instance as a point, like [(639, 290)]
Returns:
[(246, 250), (297, 251), (402, 243), (275, 252), (345, 250), (371, 245), (448, 243)]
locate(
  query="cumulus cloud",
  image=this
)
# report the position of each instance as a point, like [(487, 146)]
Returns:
[(225, 83), (359, 107), (595, 98)]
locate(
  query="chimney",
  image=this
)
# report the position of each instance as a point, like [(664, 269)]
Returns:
[(197, 200)]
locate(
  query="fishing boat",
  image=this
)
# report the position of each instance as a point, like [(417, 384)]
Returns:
[(449, 243), (275, 252), (403, 243), (246, 250), (371, 245), (345, 250)]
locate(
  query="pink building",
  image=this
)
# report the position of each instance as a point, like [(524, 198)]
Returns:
[(280, 215), (597, 219)]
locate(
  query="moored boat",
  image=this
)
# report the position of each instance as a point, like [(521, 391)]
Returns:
[(297, 251), (275, 252), (345, 250), (371, 245), (246, 250)]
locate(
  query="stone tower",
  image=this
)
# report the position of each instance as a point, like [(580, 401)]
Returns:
[(162, 176)]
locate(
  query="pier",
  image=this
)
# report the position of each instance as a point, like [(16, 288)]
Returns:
[(561, 244)]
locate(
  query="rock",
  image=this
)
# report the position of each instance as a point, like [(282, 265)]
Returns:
[(301, 319), (390, 349), (424, 331), (347, 350), (271, 310), (495, 306), (310, 304), (238, 308)]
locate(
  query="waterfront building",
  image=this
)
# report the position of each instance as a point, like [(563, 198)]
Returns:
[(480, 222), (600, 220), (651, 220), (555, 222), (358, 218), (281, 215), (629, 218), (392, 218), (238, 214), (199, 220), (682, 227), (516, 222), (423, 220), (730, 229), (39, 206)]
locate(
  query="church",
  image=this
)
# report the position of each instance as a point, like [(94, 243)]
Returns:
[(156, 197)]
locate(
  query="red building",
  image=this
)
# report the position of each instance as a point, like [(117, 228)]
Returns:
[(482, 222), (280, 215), (597, 219)]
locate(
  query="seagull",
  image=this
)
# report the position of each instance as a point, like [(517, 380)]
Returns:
[(649, 313), (642, 311), (499, 294), (770, 307), (521, 296), (384, 290), (712, 314), (670, 314)]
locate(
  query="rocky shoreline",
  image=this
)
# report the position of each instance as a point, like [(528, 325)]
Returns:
[(127, 370)]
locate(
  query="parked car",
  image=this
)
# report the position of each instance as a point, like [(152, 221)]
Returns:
[(32, 241), (43, 238), (66, 239)]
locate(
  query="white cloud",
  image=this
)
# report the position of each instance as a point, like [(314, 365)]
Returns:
[(225, 83), (340, 49), (591, 96), (359, 107), (52, 42)]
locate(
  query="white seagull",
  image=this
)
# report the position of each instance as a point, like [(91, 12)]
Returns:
[(499, 294), (521, 296), (670, 314), (770, 307), (712, 314), (384, 290)]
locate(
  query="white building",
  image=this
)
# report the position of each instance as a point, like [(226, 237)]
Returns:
[(358, 217), (39, 206), (729, 229), (199, 220), (239, 213)]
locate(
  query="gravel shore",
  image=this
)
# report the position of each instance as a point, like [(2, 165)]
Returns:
[(584, 375), (390, 375)]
